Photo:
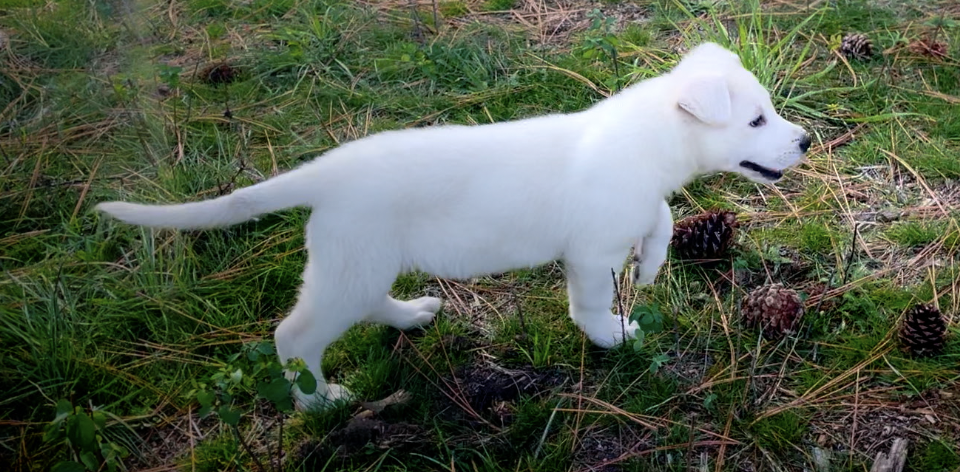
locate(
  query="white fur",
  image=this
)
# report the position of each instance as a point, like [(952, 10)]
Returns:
[(461, 201)]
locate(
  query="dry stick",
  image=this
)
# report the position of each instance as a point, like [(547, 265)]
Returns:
[(85, 189), (846, 268), (279, 466), (436, 15), (443, 350), (246, 447), (856, 411), (616, 290), (6, 157), (750, 388), (616, 68), (280, 446), (579, 390), (523, 324), (141, 121), (722, 454), (176, 132), (418, 32), (190, 429)]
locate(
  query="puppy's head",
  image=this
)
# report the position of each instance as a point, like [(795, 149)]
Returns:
[(730, 118)]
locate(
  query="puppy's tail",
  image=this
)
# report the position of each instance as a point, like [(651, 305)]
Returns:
[(275, 194)]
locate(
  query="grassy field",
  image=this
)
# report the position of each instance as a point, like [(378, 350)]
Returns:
[(187, 99)]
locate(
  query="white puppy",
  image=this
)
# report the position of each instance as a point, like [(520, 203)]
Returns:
[(461, 201)]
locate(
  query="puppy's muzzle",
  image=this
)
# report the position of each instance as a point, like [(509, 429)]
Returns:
[(766, 172)]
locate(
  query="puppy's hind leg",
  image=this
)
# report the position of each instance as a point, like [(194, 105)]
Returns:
[(405, 315), (327, 307)]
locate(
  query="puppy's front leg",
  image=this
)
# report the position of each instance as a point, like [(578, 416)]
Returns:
[(590, 288), (651, 252)]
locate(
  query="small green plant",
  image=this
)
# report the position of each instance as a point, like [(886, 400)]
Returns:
[(918, 233), (650, 320), (216, 30), (255, 367), (601, 40), (780, 432), (939, 24), (81, 431), (170, 75), (453, 9), (539, 352), (703, 7), (934, 456), (709, 400), (498, 5), (636, 35), (815, 238), (658, 361)]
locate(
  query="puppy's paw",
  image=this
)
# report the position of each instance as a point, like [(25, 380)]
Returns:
[(421, 319), (428, 304), (422, 312), (326, 396), (612, 333), (337, 392)]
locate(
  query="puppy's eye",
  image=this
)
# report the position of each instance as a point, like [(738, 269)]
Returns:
[(760, 121)]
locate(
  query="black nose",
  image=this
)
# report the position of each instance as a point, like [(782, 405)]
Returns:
[(805, 143)]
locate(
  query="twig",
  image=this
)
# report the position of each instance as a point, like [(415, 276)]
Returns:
[(279, 467), (417, 22), (86, 188), (6, 157), (246, 447), (457, 397), (523, 324), (856, 412), (846, 268), (838, 141), (191, 427), (616, 68), (139, 117)]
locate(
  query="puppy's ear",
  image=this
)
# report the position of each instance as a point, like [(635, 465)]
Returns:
[(707, 98)]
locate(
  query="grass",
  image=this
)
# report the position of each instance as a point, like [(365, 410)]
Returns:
[(99, 101)]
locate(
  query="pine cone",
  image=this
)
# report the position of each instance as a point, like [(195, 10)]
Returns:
[(773, 308), (928, 48), (856, 46), (922, 331), (219, 74), (705, 236)]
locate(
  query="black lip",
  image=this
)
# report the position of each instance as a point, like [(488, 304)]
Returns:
[(764, 171)]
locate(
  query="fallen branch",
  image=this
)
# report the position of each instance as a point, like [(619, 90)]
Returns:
[(894, 461)]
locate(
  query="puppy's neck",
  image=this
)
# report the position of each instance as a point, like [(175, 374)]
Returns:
[(663, 161)]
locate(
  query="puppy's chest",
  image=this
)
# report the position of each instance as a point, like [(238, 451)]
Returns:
[(625, 224)]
